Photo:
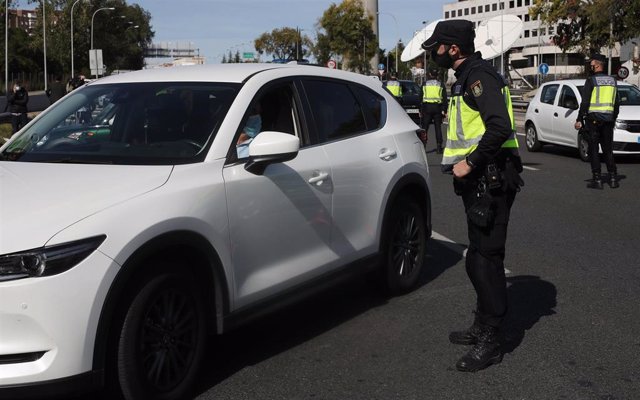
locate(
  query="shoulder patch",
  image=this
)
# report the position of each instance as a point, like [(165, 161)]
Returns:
[(476, 88)]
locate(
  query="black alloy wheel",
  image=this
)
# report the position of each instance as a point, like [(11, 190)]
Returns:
[(162, 339), (406, 246)]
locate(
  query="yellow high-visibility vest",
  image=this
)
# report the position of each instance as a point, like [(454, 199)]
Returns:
[(603, 96), (432, 92), (395, 88), (466, 127)]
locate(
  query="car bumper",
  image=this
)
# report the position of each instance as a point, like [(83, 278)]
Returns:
[(625, 142), (48, 325)]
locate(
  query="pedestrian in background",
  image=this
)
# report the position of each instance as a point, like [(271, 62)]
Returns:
[(434, 107), (17, 105), (56, 90), (481, 152), (598, 112)]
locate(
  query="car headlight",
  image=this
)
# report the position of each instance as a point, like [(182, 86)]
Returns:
[(47, 261), (622, 124)]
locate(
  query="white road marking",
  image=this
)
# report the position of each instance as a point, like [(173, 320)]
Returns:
[(530, 168)]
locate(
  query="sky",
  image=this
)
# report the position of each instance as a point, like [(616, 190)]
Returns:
[(216, 26)]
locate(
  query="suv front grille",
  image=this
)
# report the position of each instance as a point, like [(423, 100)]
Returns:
[(632, 126)]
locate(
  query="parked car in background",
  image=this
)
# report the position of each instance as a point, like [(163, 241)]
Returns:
[(128, 239), (411, 99), (552, 113)]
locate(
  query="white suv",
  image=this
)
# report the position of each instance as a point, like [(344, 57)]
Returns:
[(552, 113), (133, 224)]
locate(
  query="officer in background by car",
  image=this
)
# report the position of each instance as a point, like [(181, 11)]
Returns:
[(393, 86), (434, 106), (482, 153), (598, 112)]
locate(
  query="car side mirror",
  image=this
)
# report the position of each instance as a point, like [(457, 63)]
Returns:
[(271, 147)]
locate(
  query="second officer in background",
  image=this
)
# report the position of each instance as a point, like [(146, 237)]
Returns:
[(434, 107)]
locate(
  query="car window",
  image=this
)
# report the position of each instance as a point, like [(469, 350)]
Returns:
[(133, 123), (629, 96), (273, 109), (373, 104), (548, 94), (568, 98), (412, 88), (336, 110)]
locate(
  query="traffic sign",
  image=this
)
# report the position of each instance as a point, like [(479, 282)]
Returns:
[(247, 55), (331, 64), (623, 72), (381, 66), (543, 68)]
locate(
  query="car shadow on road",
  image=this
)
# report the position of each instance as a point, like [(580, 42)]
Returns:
[(296, 324), (530, 298)]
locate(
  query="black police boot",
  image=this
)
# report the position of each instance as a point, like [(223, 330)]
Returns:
[(468, 336), (596, 182), (613, 181), (484, 354)]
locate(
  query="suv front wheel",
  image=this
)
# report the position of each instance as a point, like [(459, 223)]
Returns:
[(162, 339), (404, 246)]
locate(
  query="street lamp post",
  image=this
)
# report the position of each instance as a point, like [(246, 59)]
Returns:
[(93, 16), (72, 69), (44, 42), (397, 34), (6, 48)]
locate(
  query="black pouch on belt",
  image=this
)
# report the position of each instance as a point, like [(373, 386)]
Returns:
[(481, 212)]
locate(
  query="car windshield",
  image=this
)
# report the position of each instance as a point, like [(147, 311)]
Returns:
[(629, 96), (132, 123)]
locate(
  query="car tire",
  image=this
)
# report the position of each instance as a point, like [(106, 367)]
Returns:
[(583, 147), (162, 339), (404, 246), (531, 138)]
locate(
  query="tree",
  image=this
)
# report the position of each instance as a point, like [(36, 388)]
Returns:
[(348, 33), (589, 25), (284, 44), (123, 34)]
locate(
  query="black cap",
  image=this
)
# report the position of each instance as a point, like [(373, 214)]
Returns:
[(598, 57), (455, 31)]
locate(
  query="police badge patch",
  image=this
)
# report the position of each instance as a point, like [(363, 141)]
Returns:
[(476, 88)]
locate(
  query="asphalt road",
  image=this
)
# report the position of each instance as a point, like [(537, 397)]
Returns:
[(573, 330)]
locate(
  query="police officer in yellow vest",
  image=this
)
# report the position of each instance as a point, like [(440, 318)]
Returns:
[(481, 152), (393, 86), (598, 113), (434, 106)]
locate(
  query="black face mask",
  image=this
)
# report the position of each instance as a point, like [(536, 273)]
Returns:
[(444, 60)]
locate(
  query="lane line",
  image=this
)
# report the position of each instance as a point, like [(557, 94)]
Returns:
[(530, 168)]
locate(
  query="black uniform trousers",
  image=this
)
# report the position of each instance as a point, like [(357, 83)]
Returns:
[(601, 133), (432, 113), (485, 255), (18, 121)]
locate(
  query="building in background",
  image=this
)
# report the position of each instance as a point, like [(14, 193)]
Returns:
[(535, 45)]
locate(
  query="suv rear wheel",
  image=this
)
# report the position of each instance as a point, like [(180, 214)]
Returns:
[(405, 246)]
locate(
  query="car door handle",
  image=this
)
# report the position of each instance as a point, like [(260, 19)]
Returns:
[(387, 155), (318, 177)]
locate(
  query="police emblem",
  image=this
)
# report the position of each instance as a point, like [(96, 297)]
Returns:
[(476, 88)]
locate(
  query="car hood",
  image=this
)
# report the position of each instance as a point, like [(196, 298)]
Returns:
[(629, 113), (37, 200)]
